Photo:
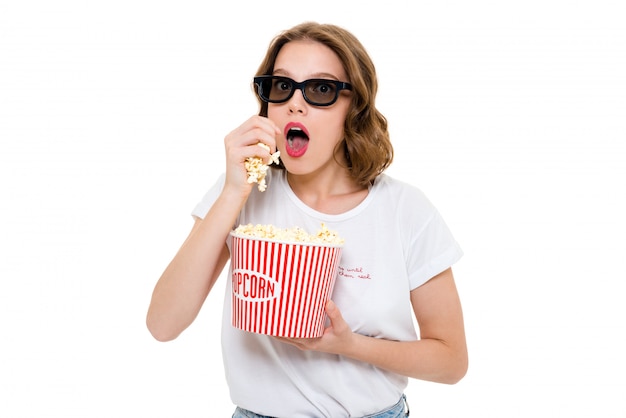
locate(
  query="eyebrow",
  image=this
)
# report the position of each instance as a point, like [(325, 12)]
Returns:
[(286, 73)]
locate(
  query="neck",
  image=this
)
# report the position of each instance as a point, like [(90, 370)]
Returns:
[(331, 192)]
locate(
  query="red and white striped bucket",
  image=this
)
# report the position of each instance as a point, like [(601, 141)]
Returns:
[(281, 288)]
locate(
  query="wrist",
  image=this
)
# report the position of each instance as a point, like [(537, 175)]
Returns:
[(235, 195)]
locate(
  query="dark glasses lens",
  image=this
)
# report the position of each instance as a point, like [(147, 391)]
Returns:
[(318, 92)]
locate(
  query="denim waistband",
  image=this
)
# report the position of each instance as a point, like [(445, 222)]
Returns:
[(400, 409)]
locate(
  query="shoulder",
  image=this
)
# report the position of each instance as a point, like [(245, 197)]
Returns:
[(404, 204), (400, 191)]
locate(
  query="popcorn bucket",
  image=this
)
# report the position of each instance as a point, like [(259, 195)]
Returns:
[(281, 288)]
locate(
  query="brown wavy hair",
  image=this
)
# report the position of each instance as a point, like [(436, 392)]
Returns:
[(366, 142)]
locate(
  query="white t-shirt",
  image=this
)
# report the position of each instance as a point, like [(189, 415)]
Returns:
[(395, 241)]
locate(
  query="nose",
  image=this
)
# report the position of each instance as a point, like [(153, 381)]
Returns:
[(296, 103)]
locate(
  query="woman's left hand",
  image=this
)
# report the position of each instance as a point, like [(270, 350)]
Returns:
[(335, 339)]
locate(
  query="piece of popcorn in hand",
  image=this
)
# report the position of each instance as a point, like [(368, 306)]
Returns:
[(257, 169)]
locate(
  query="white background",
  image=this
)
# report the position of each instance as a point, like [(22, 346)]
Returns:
[(511, 116)]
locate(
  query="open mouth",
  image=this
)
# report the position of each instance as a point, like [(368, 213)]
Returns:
[(297, 140)]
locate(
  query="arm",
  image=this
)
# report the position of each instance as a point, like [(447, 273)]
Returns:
[(190, 276), (440, 355)]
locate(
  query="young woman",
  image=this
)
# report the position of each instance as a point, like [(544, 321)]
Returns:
[(316, 89)]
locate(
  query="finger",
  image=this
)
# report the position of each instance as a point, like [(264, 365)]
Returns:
[(331, 308), (270, 123), (262, 122), (243, 141), (259, 133), (333, 312)]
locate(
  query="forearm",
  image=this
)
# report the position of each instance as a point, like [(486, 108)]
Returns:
[(188, 279), (440, 355), (426, 359)]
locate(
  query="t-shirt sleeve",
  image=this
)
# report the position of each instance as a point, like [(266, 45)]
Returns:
[(433, 250), (209, 198)]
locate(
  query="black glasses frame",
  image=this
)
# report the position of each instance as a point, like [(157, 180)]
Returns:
[(258, 81)]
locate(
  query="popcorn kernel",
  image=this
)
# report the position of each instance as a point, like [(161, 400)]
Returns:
[(257, 169)]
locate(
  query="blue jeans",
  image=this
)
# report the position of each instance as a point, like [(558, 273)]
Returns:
[(399, 410)]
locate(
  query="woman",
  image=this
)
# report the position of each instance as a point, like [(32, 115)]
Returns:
[(316, 89)]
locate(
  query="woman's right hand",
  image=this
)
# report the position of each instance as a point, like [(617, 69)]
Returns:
[(241, 144)]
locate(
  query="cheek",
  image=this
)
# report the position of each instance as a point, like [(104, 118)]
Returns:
[(336, 127)]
